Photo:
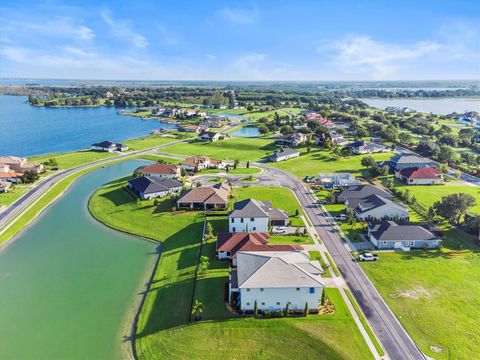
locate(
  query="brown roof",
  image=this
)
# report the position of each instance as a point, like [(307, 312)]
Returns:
[(196, 160), (246, 241), (159, 169), (421, 173), (4, 184), (207, 195), (9, 174)]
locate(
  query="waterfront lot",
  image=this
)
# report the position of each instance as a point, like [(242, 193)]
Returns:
[(164, 330), (243, 149), (71, 159)]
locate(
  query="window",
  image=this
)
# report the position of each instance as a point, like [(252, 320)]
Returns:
[(248, 304), (298, 289), (312, 290), (241, 220), (248, 290), (278, 302), (384, 243), (252, 219), (261, 289), (263, 303), (233, 229), (233, 220), (254, 228)]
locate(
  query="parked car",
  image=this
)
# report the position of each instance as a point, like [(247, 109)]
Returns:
[(342, 217), (368, 257), (309, 179), (279, 229)]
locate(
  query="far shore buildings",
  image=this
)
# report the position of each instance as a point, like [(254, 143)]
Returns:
[(205, 197), (166, 171), (252, 215), (284, 154), (273, 279), (108, 146), (149, 187), (199, 163), (20, 164)]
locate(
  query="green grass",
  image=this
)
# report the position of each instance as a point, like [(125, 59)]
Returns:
[(148, 142), (435, 294), (164, 330), (11, 196), (315, 255), (332, 264), (365, 324), (291, 239), (322, 161), (72, 159), (243, 149), (244, 171), (281, 198)]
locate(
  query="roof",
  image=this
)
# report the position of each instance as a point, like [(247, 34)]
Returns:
[(104, 144), (409, 159), (246, 241), (421, 173), (374, 201), (149, 185), (4, 184), (207, 195), (9, 174), (361, 191), (277, 269), (389, 231), (8, 160), (252, 208), (159, 169), (196, 160), (285, 152), (367, 144)]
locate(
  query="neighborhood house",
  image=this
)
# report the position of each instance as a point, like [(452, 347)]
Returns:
[(335, 180), (361, 191), (284, 154), (375, 207), (255, 216), (403, 161), (198, 163), (365, 147), (167, 171), (420, 176), (273, 279), (149, 187), (205, 197), (108, 146), (20, 164)]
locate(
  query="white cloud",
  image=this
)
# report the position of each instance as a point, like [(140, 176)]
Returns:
[(247, 15), (122, 29)]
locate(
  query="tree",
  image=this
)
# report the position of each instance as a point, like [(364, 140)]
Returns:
[(330, 197), (248, 164), (197, 310), (209, 230), (446, 154), (305, 311), (203, 266), (255, 309), (286, 310), (368, 161), (390, 183), (250, 107), (263, 129), (29, 177), (309, 149), (296, 212), (453, 207), (183, 172)]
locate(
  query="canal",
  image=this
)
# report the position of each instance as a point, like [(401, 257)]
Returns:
[(68, 283)]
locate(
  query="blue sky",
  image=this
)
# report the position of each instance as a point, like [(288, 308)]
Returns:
[(257, 40)]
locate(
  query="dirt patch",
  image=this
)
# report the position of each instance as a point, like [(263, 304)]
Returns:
[(436, 348), (418, 292)]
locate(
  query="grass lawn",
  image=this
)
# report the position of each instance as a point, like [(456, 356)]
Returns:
[(148, 142), (281, 198), (435, 294), (244, 171), (242, 149), (291, 239), (164, 330), (9, 197), (72, 159), (322, 161)]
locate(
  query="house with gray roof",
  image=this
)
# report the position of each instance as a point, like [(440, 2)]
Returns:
[(402, 161), (284, 154), (375, 207), (361, 191), (274, 279), (255, 216), (390, 235), (149, 187)]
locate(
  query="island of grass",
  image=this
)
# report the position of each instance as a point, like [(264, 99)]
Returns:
[(164, 327)]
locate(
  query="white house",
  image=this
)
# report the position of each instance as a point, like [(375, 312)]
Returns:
[(375, 207), (152, 187), (275, 279), (390, 235), (108, 146), (212, 136), (337, 179), (255, 216), (284, 154), (420, 176)]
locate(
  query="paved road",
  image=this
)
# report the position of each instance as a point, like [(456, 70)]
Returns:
[(395, 340)]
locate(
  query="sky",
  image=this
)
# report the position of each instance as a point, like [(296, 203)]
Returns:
[(241, 40)]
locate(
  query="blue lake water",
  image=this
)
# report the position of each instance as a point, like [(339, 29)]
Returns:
[(29, 130), (246, 131)]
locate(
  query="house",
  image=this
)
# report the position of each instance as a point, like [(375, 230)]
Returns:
[(470, 118), (205, 197), (20, 165), (335, 180), (366, 147), (295, 140), (4, 186), (390, 235), (402, 161), (149, 187), (189, 128), (335, 139), (255, 216), (8, 175), (273, 279), (375, 207), (198, 163), (212, 136), (284, 154), (420, 176), (166, 171), (228, 244), (108, 146), (361, 191)]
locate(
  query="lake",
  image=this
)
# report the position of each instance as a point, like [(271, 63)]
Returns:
[(437, 106), (246, 131), (28, 130), (68, 283)]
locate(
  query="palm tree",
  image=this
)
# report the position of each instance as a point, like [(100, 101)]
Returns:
[(197, 309)]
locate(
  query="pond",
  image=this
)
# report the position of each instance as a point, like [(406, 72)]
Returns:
[(68, 283), (246, 131)]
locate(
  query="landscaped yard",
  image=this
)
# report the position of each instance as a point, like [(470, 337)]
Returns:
[(435, 295), (246, 171), (243, 149), (164, 330), (72, 159), (322, 161), (12, 195)]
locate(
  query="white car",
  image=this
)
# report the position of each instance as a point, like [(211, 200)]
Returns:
[(368, 257), (342, 217), (280, 229)]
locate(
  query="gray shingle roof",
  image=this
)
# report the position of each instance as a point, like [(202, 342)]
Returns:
[(362, 191), (409, 159), (389, 231), (149, 185), (374, 201), (286, 151), (252, 208)]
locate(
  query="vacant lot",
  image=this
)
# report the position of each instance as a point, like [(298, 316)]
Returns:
[(72, 159), (164, 329), (243, 149)]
